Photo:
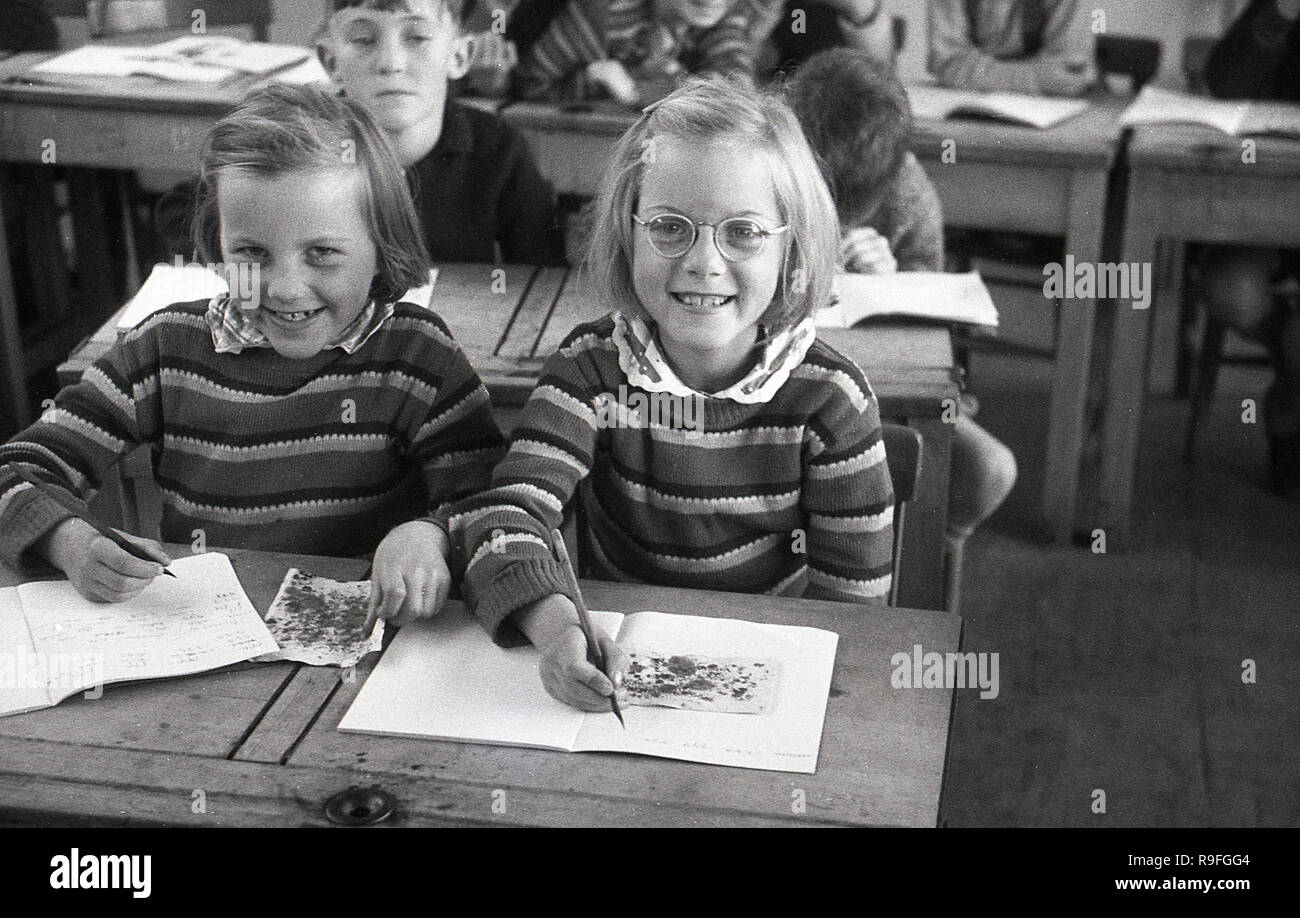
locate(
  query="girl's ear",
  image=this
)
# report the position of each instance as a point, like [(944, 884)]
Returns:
[(459, 56)]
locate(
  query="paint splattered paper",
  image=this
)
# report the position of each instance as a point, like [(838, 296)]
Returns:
[(694, 682), (319, 621)]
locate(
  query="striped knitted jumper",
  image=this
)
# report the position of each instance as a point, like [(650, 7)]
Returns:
[(655, 55), (790, 495), (321, 456)]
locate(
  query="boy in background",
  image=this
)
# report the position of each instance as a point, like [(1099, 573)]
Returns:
[(637, 51), (1030, 46), (857, 118), (478, 193)]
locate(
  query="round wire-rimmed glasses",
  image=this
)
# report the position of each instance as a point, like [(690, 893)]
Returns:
[(736, 238)]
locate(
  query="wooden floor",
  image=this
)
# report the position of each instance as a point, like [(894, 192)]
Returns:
[(1123, 672)]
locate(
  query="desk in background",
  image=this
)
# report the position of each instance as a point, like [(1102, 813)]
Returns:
[(1186, 183), (260, 741), (1003, 177)]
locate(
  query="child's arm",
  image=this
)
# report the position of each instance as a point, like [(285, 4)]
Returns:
[(847, 495), (114, 408), (456, 441), (555, 66), (551, 624), (731, 46), (506, 529)]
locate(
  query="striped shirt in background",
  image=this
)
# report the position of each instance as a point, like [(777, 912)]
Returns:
[(788, 493), (320, 456), (656, 56)]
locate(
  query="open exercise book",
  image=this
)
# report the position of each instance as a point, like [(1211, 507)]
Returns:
[(934, 295), (190, 59), (1018, 108), (168, 284), (55, 643), (701, 689), (1160, 106)]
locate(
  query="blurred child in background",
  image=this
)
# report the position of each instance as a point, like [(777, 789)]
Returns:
[(1030, 46), (857, 119), (636, 51)]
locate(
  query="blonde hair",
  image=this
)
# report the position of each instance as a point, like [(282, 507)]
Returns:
[(717, 110), (280, 128)]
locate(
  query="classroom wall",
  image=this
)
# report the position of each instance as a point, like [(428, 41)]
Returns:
[(1168, 21)]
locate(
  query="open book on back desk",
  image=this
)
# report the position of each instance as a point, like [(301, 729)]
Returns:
[(751, 695), (1041, 112), (189, 59), (54, 642), (933, 295), (1235, 118)]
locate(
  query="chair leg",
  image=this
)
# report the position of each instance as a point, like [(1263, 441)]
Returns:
[(1207, 375), (954, 557), (1186, 357)]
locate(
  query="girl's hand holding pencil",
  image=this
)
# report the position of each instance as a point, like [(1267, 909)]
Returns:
[(99, 569), (567, 673)]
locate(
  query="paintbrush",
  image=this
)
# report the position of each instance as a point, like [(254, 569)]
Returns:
[(67, 503), (594, 653)]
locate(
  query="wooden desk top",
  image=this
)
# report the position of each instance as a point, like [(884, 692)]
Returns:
[(138, 753), (1090, 138), (1199, 150)]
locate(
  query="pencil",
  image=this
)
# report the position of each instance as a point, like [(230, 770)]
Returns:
[(67, 503), (584, 620)]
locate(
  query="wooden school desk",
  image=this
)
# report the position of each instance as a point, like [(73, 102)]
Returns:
[(510, 318), (117, 125), (1186, 183), (257, 744), (1004, 177)]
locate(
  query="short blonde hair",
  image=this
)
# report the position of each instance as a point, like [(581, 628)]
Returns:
[(280, 128), (720, 110)]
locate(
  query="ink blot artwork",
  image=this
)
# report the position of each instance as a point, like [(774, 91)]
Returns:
[(319, 621), (702, 683)]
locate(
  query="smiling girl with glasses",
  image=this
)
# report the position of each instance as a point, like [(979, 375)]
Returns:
[(715, 239)]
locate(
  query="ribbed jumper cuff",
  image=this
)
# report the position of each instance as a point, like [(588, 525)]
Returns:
[(35, 515), (519, 585)]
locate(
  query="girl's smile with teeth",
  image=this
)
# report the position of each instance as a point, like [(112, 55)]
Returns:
[(712, 300), (296, 316)]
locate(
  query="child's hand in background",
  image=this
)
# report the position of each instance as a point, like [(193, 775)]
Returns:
[(1058, 76), (568, 676), (865, 251), (409, 578), (98, 569), (491, 60), (614, 77)]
